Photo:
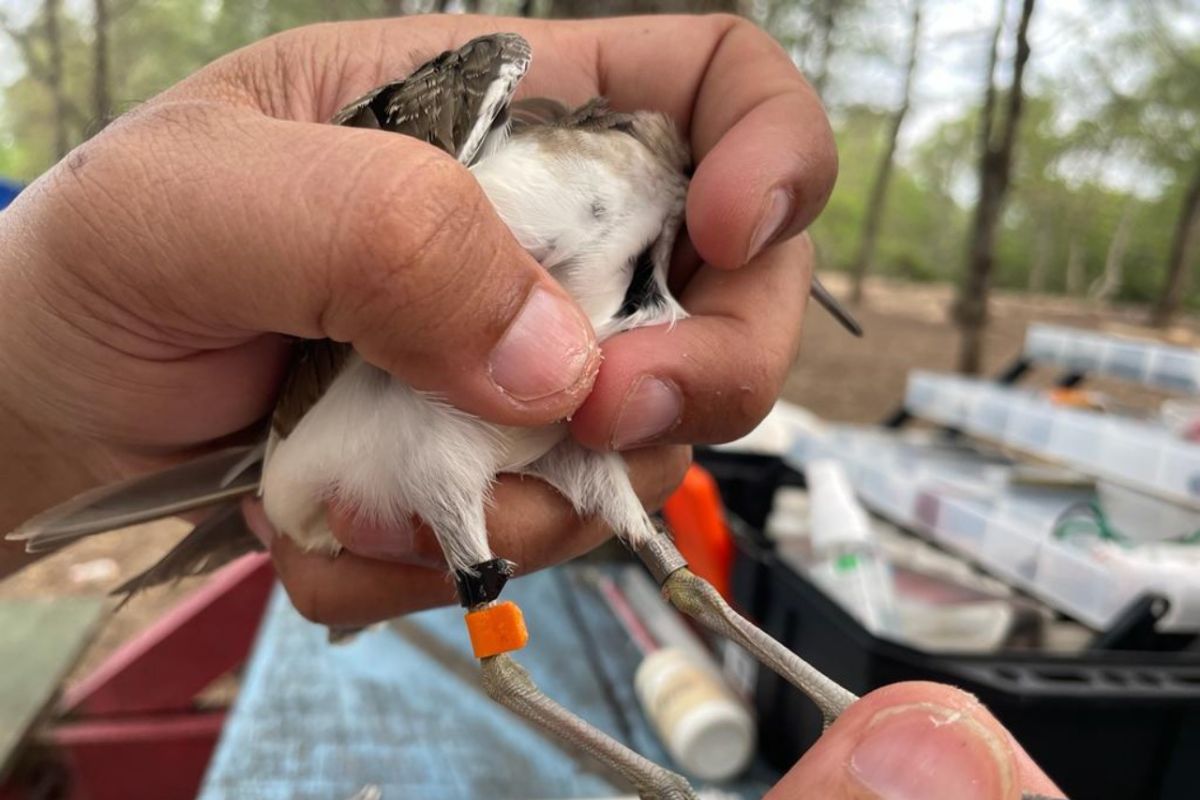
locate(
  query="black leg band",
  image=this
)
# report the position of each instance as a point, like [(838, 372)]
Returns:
[(486, 584)]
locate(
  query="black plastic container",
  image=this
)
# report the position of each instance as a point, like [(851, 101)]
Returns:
[(1103, 724)]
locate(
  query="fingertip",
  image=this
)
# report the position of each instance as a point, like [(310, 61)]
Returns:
[(624, 368), (548, 355), (763, 183), (915, 739)]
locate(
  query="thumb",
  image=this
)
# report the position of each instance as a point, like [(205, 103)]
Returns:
[(269, 225), (915, 741)]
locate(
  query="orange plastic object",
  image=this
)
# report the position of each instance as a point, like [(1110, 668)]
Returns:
[(697, 519), (497, 629), (1072, 397)]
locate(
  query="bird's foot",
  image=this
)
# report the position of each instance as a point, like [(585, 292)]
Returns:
[(697, 598), (497, 629), (509, 684)]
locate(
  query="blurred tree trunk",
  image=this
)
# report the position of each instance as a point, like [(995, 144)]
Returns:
[(1108, 285), (879, 189), (1075, 268), (826, 14), (1041, 259), (1182, 242), (995, 162), (101, 80), (393, 8), (54, 76), (580, 9)]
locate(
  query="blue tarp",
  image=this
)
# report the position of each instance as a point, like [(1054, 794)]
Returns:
[(8, 191)]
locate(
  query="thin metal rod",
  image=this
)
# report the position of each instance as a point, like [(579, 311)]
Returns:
[(834, 307), (509, 684)]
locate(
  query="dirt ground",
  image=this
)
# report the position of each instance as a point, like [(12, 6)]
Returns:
[(908, 327), (836, 376)]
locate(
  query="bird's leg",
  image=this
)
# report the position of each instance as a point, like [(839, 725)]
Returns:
[(509, 684), (697, 598), (596, 484), (496, 630)]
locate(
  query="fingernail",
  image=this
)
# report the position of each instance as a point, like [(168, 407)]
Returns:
[(929, 752), (651, 408), (777, 210), (547, 349)]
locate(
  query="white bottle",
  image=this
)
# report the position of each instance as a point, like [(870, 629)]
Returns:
[(788, 523), (846, 563), (707, 731)]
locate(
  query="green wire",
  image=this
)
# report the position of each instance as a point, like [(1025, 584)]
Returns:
[(1089, 519)]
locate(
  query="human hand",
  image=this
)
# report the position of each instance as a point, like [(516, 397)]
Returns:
[(147, 279), (915, 741)]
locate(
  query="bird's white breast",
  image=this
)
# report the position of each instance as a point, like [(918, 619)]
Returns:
[(584, 205)]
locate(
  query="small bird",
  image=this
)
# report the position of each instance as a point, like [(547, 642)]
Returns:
[(597, 197)]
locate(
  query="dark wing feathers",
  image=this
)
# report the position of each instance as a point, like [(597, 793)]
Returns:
[(595, 114), (221, 538), (450, 101), (535, 111), (198, 483), (315, 365)]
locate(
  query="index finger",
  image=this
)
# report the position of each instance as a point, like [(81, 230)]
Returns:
[(764, 149)]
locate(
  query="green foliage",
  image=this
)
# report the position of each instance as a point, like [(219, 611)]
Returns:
[(923, 226), (1131, 111), (1132, 107), (923, 236)]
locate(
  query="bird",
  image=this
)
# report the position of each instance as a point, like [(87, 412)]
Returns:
[(595, 195)]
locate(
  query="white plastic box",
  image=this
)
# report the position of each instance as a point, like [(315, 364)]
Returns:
[(963, 501), (1170, 367), (1140, 454)]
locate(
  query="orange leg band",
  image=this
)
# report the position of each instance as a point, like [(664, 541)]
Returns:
[(497, 629)]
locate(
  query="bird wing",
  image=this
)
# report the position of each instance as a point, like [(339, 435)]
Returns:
[(220, 538), (595, 114), (452, 101), (316, 363)]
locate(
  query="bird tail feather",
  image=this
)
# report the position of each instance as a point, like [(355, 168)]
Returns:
[(219, 539), (205, 481)]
